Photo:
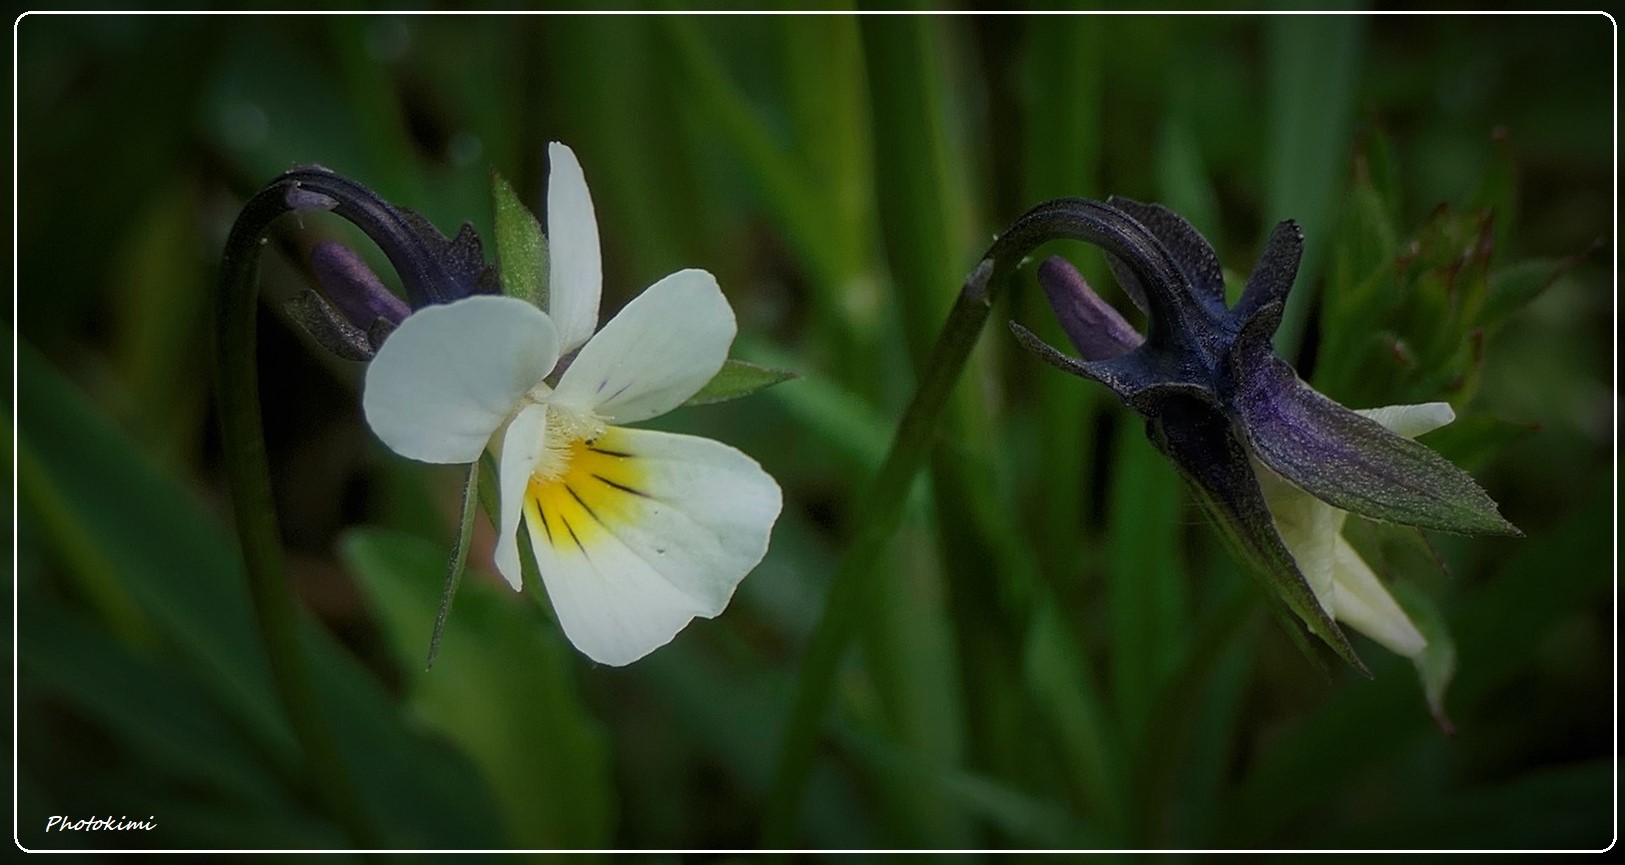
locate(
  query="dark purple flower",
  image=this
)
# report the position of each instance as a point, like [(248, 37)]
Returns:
[(354, 288), (1214, 395), (359, 311)]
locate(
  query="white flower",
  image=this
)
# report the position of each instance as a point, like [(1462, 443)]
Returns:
[(635, 532), (1313, 532)]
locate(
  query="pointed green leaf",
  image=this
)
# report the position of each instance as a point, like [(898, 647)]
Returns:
[(1360, 283), (736, 379), (1497, 190), (459, 558), (521, 248)]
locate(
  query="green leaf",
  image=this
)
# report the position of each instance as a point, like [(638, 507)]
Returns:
[(1029, 820), (179, 566), (825, 408), (1513, 287), (162, 316), (1089, 749), (1199, 776), (504, 692), (1360, 283), (92, 571), (726, 714), (521, 248), (1313, 65), (1567, 806), (1497, 190), (1063, 78), (150, 708), (1162, 746), (1543, 581), (1145, 574), (1183, 181), (736, 379), (169, 559), (789, 194)]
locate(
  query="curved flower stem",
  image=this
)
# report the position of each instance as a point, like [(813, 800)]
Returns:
[(247, 469), (882, 509)]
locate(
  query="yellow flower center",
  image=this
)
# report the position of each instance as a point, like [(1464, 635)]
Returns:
[(601, 485), (566, 430)]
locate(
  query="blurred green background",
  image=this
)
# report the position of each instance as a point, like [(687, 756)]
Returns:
[(1057, 652)]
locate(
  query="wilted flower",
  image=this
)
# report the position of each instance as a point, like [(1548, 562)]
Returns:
[(635, 532), (1216, 398)]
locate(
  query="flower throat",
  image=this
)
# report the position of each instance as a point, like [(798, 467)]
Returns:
[(565, 431)]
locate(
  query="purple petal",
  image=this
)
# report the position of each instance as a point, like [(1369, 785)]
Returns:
[(1095, 328), (354, 288), (432, 268), (1344, 459)]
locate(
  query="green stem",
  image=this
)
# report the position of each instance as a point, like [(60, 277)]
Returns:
[(878, 520), (882, 508), (248, 471)]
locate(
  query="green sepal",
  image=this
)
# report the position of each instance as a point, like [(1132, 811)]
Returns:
[(459, 558), (521, 247), (1346, 460), (1436, 665), (736, 379)]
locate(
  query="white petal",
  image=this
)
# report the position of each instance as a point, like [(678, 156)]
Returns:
[(521, 448), (665, 345), (575, 265), (450, 375), (1364, 603), (646, 531), (1309, 527), (1411, 421)]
